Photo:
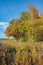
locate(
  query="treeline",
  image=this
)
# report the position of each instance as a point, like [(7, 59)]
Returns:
[(29, 27)]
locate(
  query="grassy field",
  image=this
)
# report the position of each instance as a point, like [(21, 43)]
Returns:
[(26, 52), (12, 42)]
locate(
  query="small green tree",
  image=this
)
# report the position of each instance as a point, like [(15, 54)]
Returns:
[(24, 16)]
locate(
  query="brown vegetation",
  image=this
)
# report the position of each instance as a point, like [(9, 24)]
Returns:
[(22, 54)]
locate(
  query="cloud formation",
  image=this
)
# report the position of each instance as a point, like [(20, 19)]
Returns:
[(3, 25)]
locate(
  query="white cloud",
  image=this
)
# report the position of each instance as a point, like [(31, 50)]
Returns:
[(4, 25)]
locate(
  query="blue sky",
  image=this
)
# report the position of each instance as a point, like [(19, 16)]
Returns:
[(11, 9)]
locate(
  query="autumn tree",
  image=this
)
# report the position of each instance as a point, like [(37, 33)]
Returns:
[(27, 27), (8, 31), (32, 13)]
